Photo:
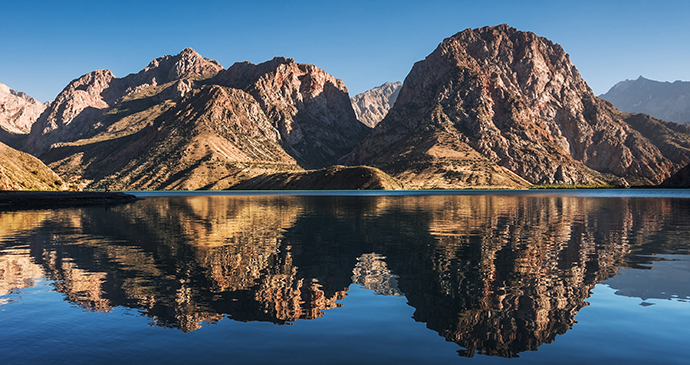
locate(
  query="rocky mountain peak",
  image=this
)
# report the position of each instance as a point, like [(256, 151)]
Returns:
[(669, 101), (186, 64), (309, 107), (372, 105), (79, 102), (18, 111)]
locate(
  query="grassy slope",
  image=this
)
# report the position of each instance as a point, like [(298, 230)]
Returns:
[(21, 171)]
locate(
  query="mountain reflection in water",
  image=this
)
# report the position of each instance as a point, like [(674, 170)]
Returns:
[(496, 274)]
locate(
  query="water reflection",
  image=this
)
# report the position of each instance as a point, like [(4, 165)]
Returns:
[(495, 274)]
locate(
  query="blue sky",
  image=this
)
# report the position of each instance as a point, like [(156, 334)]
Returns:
[(46, 44)]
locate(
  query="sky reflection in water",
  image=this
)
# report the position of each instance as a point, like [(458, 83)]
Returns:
[(356, 278)]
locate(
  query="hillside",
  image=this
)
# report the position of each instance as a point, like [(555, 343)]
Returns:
[(331, 178), (21, 171), (209, 139)]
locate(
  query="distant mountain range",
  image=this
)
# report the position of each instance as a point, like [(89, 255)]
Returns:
[(669, 101), (372, 106), (490, 107), (18, 112)]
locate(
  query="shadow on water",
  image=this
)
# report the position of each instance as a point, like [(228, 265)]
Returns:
[(497, 275)]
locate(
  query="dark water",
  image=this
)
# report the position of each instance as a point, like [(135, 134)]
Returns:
[(567, 277)]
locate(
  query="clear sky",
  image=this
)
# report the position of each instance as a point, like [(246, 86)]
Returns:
[(46, 44)]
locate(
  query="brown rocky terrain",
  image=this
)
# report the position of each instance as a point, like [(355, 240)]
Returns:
[(330, 178), (21, 171), (18, 112), (211, 138), (372, 105), (516, 101), (309, 107)]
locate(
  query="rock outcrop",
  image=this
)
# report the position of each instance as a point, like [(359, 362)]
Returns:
[(18, 112), (372, 105), (309, 107), (21, 171), (509, 99), (663, 100)]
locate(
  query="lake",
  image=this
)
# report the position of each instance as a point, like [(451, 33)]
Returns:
[(473, 277)]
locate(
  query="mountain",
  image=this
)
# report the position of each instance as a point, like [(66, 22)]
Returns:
[(210, 139), (185, 123), (372, 105), (663, 100), (21, 171), (309, 107), (18, 112), (70, 116), (495, 102)]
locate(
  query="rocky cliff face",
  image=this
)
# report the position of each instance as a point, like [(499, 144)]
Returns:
[(515, 100), (18, 112), (663, 100), (71, 115), (309, 107), (372, 106)]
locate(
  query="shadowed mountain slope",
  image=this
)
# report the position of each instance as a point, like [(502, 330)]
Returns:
[(331, 178)]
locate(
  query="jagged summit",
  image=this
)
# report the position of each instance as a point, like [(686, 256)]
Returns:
[(372, 105), (185, 123), (83, 100), (186, 64), (18, 112)]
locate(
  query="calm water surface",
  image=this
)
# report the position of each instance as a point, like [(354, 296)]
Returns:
[(567, 277)]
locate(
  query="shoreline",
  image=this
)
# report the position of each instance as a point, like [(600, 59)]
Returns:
[(10, 200)]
